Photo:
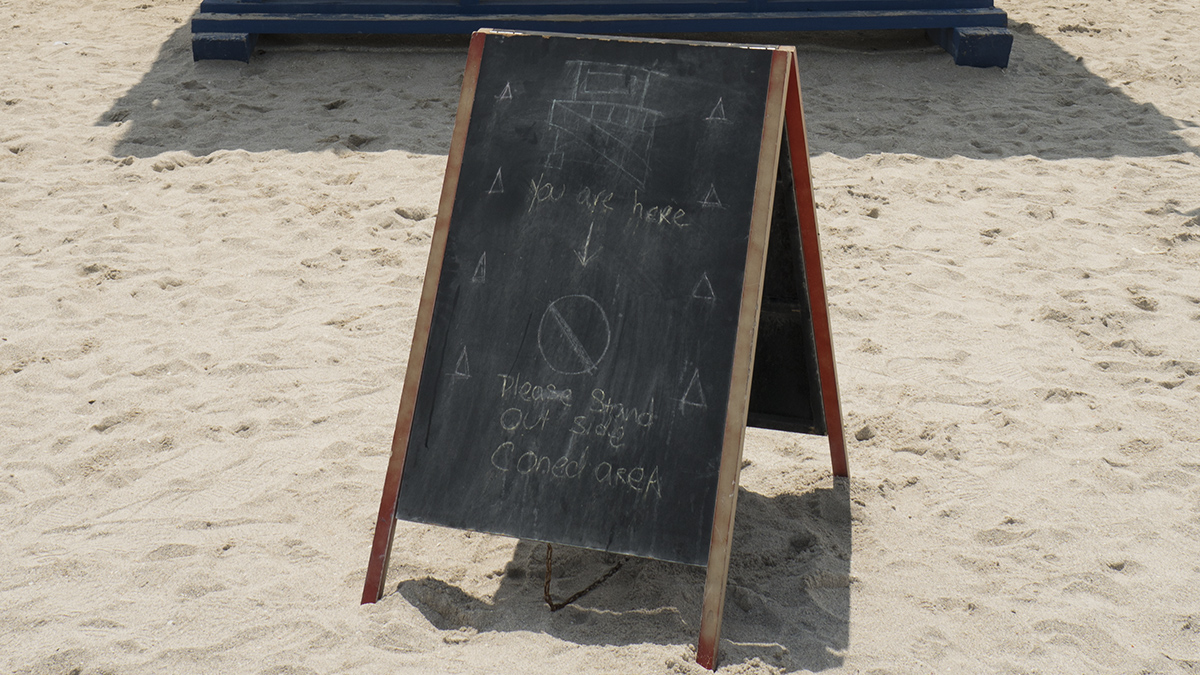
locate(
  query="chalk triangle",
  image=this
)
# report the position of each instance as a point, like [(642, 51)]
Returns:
[(462, 369), (694, 396), (703, 289), (711, 198), (497, 184), (505, 95), (718, 112), (480, 275)]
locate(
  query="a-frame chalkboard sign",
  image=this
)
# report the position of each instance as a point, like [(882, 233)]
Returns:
[(623, 224)]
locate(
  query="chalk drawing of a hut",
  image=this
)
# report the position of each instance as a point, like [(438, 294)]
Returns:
[(603, 118)]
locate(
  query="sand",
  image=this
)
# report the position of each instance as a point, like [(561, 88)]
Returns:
[(209, 276)]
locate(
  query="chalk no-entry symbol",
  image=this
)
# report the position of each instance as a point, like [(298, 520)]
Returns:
[(573, 335)]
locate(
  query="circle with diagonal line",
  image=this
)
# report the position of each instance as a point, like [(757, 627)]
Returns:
[(573, 335)]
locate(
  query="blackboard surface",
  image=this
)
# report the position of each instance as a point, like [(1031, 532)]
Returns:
[(580, 355)]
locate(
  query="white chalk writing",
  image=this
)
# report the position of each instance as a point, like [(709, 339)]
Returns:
[(639, 479), (541, 191), (513, 419), (515, 387), (607, 419), (631, 478), (656, 215), (594, 201)]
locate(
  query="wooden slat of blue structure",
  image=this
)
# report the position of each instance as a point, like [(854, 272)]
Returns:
[(973, 31)]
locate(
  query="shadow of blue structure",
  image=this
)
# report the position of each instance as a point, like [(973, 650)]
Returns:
[(902, 95)]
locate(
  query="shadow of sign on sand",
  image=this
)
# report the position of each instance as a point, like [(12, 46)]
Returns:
[(902, 95), (787, 603)]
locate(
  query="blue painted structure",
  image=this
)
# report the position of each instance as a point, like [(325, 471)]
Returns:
[(973, 31)]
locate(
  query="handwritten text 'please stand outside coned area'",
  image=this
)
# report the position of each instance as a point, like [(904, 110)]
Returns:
[(533, 408)]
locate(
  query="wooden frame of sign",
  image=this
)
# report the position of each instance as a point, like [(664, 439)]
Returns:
[(581, 367)]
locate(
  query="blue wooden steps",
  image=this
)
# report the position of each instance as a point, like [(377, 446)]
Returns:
[(973, 31)]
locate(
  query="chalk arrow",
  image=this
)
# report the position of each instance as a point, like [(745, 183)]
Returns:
[(582, 254)]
